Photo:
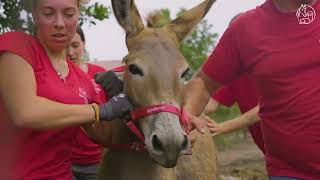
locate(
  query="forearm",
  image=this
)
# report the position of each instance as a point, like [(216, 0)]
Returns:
[(18, 91), (211, 107), (42, 113), (243, 121), (101, 133), (198, 92)]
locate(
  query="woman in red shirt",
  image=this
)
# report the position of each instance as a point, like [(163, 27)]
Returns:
[(45, 97), (86, 155)]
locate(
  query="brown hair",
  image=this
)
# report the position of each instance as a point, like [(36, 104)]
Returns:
[(81, 34)]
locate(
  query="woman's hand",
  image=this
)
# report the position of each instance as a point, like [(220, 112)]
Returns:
[(214, 127), (196, 123), (117, 107), (110, 82)]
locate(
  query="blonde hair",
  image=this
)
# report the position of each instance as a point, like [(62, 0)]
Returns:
[(80, 3)]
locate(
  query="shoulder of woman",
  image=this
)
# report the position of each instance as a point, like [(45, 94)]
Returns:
[(15, 35), (19, 43)]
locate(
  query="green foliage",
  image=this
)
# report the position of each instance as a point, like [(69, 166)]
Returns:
[(16, 15), (225, 113), (10, 15), (197, 47), (93, 13)]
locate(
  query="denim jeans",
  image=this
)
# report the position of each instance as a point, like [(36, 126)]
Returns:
[(87, 172)]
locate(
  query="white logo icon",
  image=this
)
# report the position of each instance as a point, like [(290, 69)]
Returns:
[(306, 14), (96, 87), (83, 94), (122, 95)]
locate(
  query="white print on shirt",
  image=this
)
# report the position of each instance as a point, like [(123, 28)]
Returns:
[(96, 87), (306, 14), (83, 94)]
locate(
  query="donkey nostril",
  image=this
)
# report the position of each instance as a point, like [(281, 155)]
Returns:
[(157, 145), (185, 143)]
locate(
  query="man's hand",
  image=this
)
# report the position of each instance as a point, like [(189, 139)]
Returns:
[(110, 82), (214, 127), (117, 107), (196, 123)]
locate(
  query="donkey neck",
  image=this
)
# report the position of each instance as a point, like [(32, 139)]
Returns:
[(126, 165)]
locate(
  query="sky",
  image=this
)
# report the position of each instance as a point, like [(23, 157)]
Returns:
[(106, 40)]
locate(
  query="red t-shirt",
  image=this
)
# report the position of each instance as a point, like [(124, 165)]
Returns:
[(283, 59), (243, 92), (92, 70), (43, 154), (85, 151)]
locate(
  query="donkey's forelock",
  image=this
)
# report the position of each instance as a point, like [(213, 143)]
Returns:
[(157, 19)]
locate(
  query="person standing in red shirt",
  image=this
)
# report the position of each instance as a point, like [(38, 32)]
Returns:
[(279, 49), (86, 155), (45, 97), (242, 92)]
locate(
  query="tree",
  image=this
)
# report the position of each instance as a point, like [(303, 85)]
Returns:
[(16, 15), (197, 46)]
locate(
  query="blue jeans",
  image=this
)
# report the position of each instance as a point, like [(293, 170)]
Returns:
[(85, 172), (283, 178)]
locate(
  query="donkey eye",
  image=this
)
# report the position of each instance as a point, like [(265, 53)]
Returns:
[(187, 74), (135, 70)]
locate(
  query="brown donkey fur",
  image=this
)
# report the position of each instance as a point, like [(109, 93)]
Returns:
[(154, 74)]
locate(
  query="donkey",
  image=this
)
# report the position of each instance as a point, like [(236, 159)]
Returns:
[(155, 70)]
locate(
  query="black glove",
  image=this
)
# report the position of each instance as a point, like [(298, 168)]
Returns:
[(117, 107), (110, 82)]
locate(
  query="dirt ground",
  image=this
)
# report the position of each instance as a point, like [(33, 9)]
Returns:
[(241, 161)]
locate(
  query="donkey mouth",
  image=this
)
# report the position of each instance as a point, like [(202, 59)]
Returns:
[(167, 164)]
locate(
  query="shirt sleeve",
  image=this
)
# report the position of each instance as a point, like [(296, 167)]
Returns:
[(93, 69), (101, 69), (223, 65), (20, 44), (224, 96), (97, 68)]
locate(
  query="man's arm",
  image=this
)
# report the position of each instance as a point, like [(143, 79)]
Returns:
[(243, 121), (197, 94), (211, 107)]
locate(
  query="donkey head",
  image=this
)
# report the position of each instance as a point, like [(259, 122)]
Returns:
[(155, 74)]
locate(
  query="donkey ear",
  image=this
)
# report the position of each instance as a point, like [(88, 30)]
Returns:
[(184, 24), (128, 16)]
